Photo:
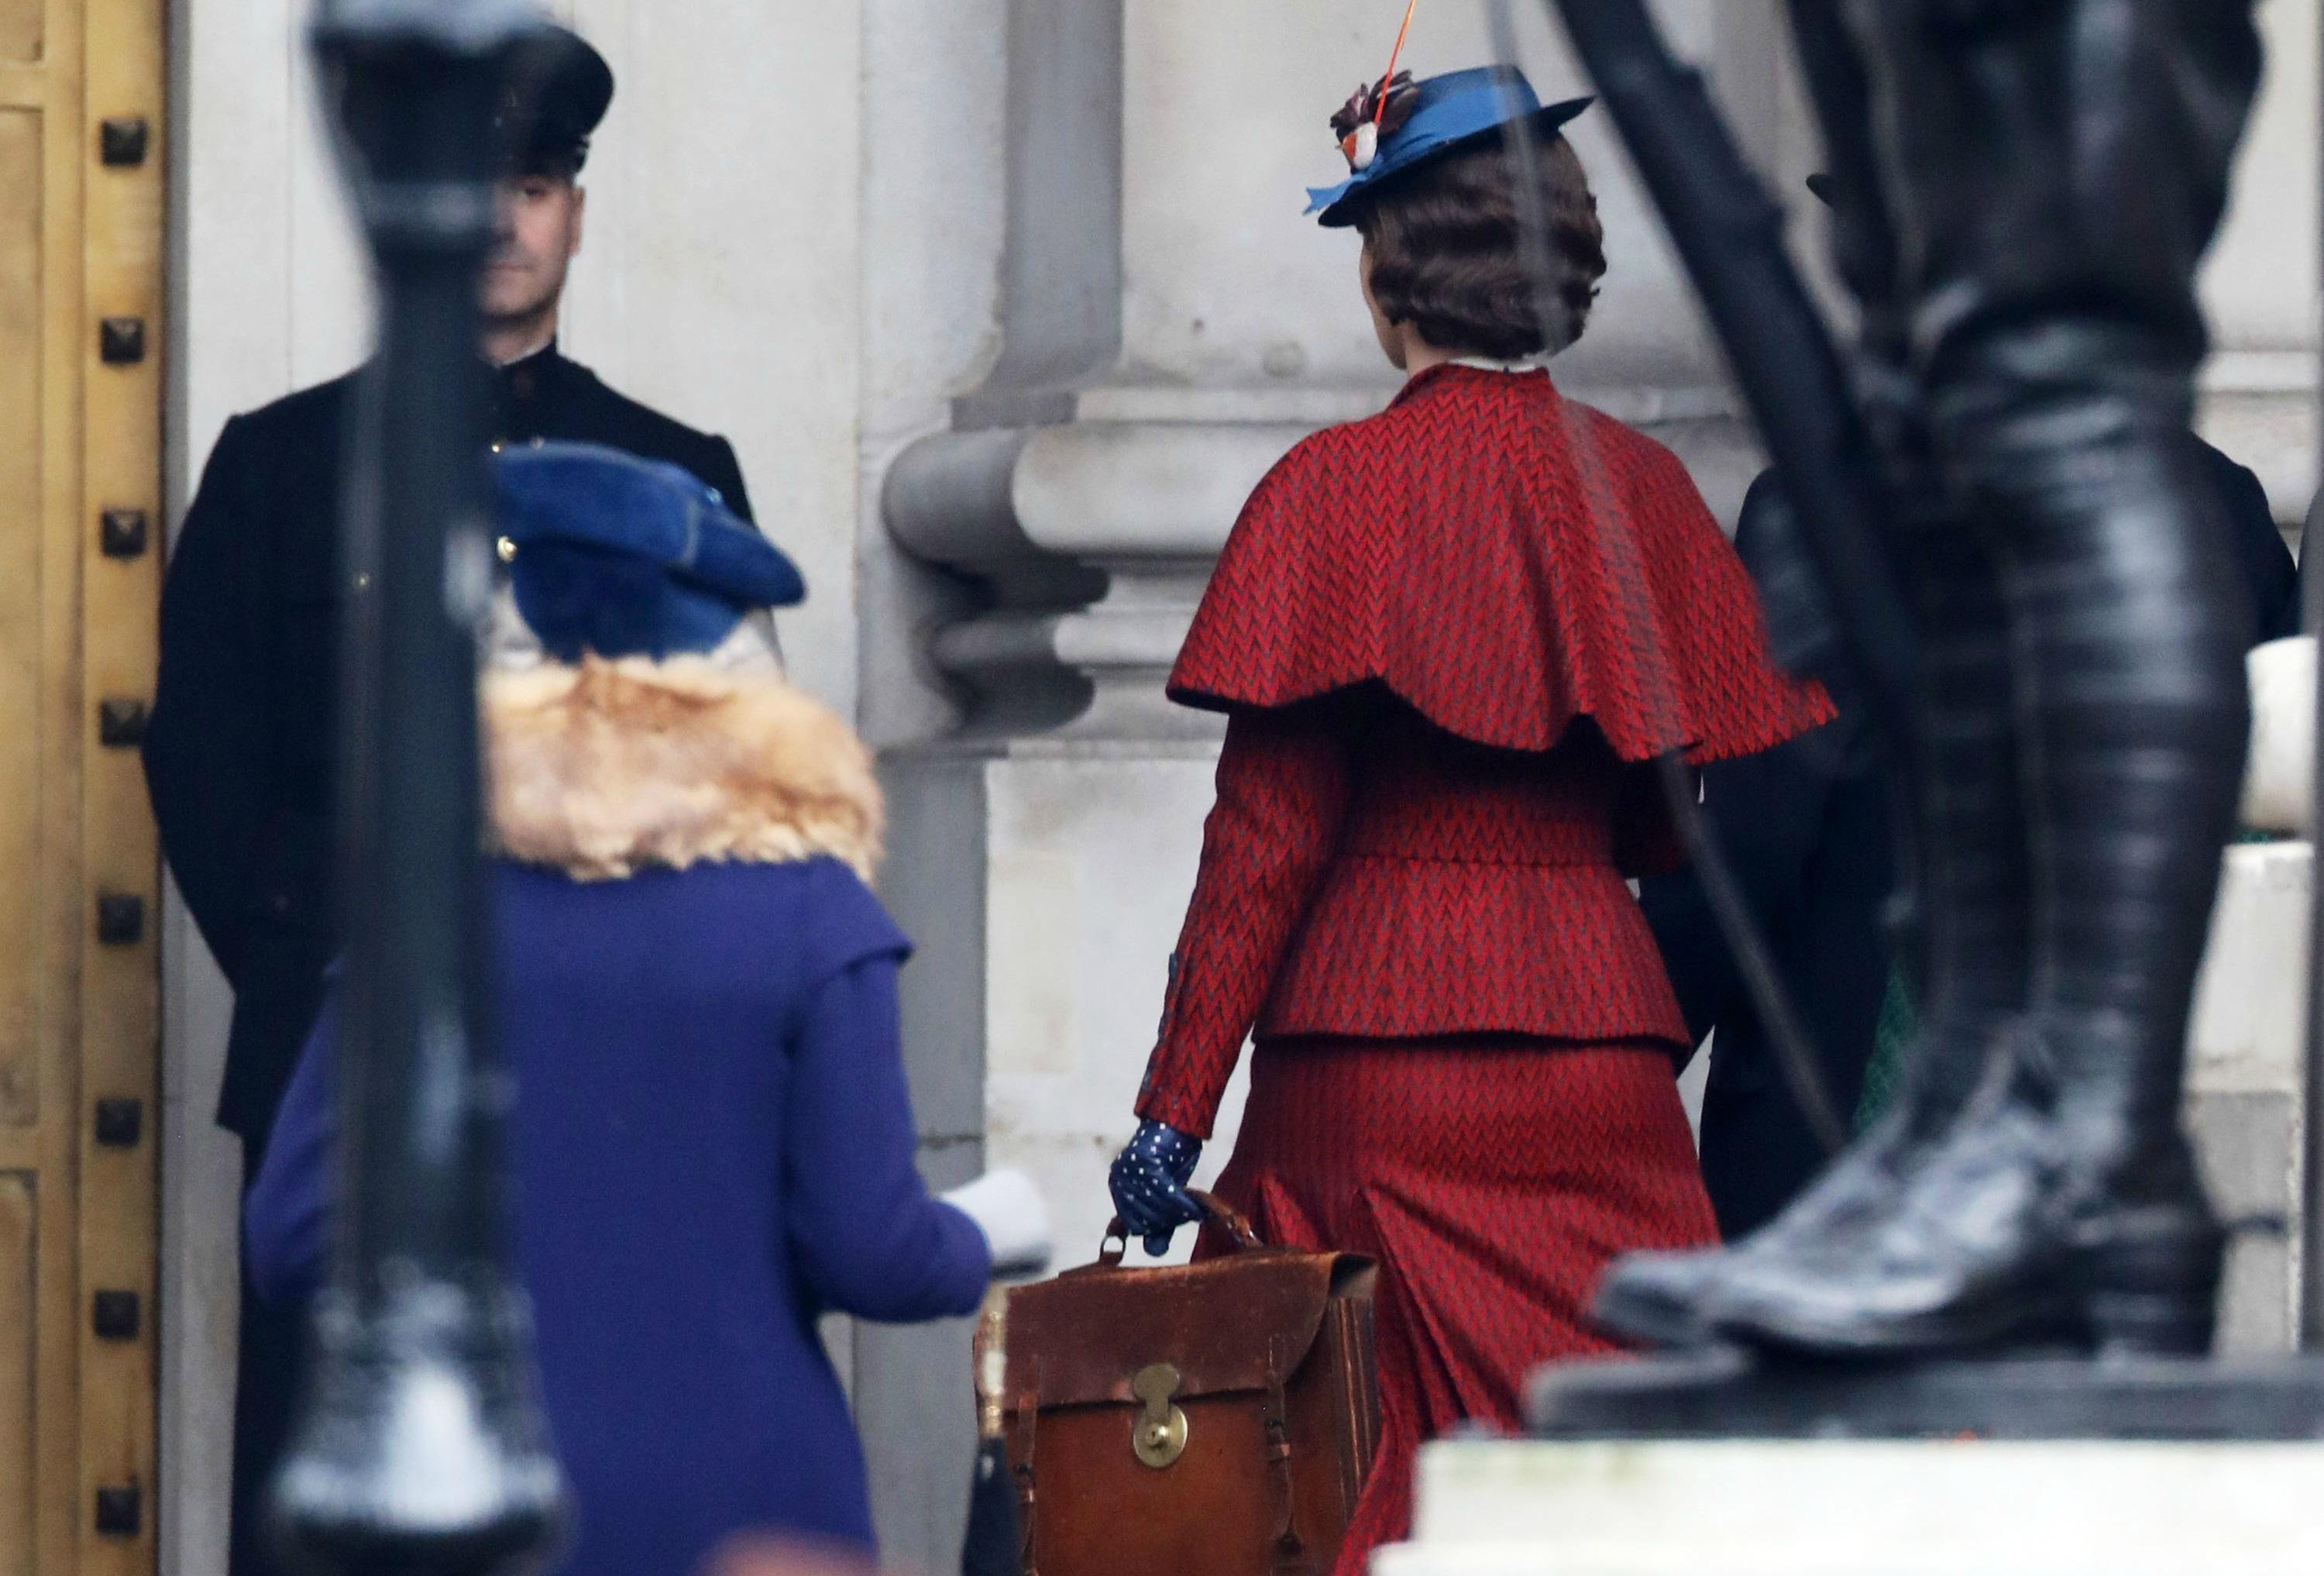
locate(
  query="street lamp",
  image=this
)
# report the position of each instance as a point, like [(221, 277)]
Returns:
[(422, 1450)]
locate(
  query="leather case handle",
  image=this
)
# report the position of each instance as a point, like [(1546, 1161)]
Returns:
[(1221, 1213)]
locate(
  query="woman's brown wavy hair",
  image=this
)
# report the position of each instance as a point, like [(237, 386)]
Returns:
[(1448, 256)]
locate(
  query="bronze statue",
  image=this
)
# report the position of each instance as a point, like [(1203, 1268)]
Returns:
[(2025, 189)]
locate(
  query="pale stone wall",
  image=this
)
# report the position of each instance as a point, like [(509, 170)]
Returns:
[(1091, 474), (1230, 285), (2248, 1050), (1168, 324), (2260, 285)]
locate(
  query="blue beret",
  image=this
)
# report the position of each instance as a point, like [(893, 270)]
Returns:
[(629, 557)]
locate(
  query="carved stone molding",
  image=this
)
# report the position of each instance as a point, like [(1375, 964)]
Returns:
[(1097, 538), (1097, 535)]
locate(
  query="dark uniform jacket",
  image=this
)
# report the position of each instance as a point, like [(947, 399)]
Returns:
[(1806, 826), (241, 751)]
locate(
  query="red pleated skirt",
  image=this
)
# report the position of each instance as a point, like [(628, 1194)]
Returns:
[(1493, 1178)]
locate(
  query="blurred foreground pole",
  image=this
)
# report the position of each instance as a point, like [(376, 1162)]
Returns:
[(1729, 233), (422, 1451), (2311, 1246)]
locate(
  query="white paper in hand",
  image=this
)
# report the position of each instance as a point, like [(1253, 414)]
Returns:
[(1014, 1218)]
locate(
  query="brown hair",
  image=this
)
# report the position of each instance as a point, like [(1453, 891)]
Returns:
[(1448, 254)]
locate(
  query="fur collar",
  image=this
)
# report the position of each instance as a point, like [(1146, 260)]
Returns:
[(609, 768)]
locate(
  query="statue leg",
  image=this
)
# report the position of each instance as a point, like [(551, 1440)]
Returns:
[(1970, 967), (2058, 167)]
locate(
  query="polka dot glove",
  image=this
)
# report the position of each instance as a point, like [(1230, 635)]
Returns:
[(1148, 1183)]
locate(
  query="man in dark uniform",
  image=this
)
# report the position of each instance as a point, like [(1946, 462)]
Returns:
[(241, 751), (1806, 828)]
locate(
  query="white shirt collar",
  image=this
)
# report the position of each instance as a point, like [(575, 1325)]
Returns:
[(1485, 364), (548, 342)]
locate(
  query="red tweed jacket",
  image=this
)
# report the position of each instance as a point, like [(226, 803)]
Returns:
[(1451, 639)]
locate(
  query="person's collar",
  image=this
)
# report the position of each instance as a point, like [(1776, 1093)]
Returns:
[(1486, 364), (583, 756), (539, 353), (1445, 372)]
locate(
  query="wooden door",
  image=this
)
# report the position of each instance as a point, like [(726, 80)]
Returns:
[(81, 244)]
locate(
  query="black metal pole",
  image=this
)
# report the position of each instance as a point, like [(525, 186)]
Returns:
[(1729, 233), (1803, 1073), (423, 1448), (2310, 1199)]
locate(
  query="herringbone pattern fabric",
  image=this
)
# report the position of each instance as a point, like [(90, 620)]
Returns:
[(1473, 891), (1505, 561), (1412, 836), (1365, 872), (1448, 640), (1494, 1180), (1282, 797)]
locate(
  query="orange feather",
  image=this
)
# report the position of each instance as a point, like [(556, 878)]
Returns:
[(1394, 56)]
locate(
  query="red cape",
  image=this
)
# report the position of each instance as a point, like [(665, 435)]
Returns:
[(1505, 561)]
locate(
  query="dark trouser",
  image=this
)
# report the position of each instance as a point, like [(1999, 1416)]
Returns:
[(272, 1344), (1758, 1151)]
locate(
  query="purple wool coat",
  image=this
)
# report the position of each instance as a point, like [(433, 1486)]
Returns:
[(712, 1145)]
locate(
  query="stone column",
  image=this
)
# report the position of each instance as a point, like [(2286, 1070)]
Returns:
[(2260, 285), (2246, 1071)]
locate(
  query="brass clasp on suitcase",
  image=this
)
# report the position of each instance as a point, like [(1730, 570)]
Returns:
[(1217, 1417)]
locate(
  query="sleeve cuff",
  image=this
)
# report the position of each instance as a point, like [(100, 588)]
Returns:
[(1189, 1115)]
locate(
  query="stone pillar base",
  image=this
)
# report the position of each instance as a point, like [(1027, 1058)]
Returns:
[(2246, 1083), (1043, 883), (1725, 1393), (1864, 1509)]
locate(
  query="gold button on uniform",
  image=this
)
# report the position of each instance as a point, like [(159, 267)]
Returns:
[(507, 550)]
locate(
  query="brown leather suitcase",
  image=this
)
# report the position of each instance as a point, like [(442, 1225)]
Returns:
[(1217, 1419)]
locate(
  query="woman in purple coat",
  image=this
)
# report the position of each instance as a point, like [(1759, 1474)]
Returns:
[(712, 1140)]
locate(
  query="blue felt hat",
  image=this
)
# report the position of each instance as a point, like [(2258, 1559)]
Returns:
[(623, 556), (1450, 112)]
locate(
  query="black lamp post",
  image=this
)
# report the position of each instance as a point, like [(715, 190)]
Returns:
[(423, 1450)]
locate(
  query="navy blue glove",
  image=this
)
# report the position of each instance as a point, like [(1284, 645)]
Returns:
[(1148, 1183)]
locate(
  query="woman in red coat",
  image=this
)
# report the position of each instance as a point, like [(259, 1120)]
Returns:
[(1451, 642)]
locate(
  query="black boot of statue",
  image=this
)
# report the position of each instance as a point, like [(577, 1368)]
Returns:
[(2055, 269)]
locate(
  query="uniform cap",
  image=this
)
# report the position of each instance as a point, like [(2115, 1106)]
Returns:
[(558, 95)]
